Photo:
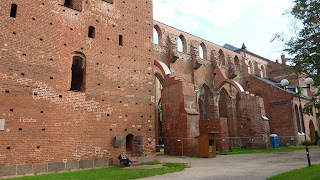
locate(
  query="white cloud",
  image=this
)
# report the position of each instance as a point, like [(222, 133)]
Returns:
[(222, 21), (218, 12)]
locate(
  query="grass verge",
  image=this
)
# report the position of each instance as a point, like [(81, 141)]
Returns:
[(112, 173), (238, 150), (307, 173)]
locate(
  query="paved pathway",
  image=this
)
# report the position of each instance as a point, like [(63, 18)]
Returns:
[(239, 167)]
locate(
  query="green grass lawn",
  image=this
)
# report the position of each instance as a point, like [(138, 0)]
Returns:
[(113, 173), (150, 163), (307, 173), (238, 150)]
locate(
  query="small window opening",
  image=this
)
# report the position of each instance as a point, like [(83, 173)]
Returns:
[(43, 129), (74, 4), (78, 70), (8, 147), (20, 129), (13, 12), (211, 142), (120, 40), (68, 3), (108, 1), (7, 91), (91, 33)]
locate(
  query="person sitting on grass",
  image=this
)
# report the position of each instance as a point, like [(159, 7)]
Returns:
[(123, 160)]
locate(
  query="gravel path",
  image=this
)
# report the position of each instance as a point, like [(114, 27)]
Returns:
[(239, 167)]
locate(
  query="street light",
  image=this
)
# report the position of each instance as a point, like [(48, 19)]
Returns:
[(308, 82)]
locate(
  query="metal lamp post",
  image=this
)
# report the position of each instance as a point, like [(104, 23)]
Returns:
[(308, 82)]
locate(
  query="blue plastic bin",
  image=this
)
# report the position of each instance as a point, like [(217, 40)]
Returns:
[(274, 140)]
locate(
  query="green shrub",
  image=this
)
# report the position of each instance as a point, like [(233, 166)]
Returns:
[(309, 143)]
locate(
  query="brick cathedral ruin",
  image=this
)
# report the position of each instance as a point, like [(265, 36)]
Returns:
[(82, 81)]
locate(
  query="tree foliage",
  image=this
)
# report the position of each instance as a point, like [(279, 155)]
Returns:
[(305, 46)]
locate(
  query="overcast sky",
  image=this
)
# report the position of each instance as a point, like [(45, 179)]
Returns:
[(253, 22)]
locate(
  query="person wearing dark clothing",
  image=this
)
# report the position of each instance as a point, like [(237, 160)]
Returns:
[(123, 160)]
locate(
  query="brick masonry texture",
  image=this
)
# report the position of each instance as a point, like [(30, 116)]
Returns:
[(76, 77), (47, 123), (218, 77)]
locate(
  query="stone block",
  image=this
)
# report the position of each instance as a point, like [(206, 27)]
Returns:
[(72, 165), (146, 159), (40, 168), (23, 169), (101, 162), (56, 166), (110, 162), (9, 170), (85, 164), (115, 162)]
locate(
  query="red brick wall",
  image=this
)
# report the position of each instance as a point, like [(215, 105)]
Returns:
[(177, 123), (48, 123)]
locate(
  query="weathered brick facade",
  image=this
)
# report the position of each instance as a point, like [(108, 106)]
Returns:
[(48, 118), (236, 91), (82, 81)]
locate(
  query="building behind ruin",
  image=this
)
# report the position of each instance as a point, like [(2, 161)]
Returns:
[(82, 81)]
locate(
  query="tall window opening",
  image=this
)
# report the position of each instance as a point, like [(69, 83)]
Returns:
[(78, 70), (202, 51), (221, 57), (120, 40), (250, 67), (312, 131), (91, 33), (263, 71), (237, 62), (13, 12), (204, 103), (182, 44), (296, 109), (157, 35)]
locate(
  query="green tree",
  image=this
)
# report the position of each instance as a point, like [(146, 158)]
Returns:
[(304, 48)]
